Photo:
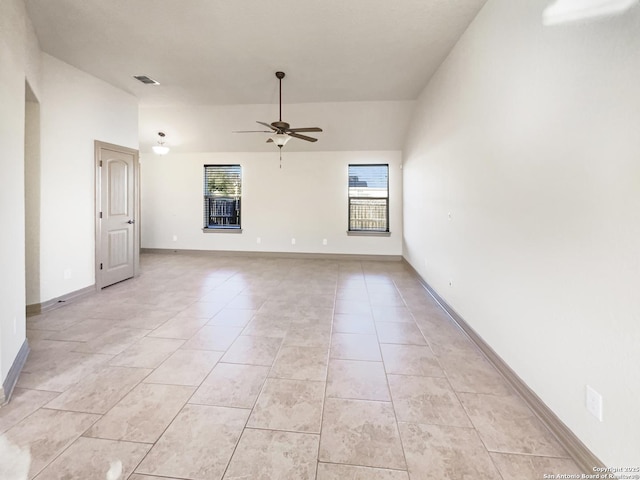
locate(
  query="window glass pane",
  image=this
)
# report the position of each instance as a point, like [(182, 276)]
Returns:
[(368, 181), (369, 198), (368, 214), (222, 196)]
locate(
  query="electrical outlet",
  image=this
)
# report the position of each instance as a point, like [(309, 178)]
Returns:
[(67, 273), (451, 283), (175, 238), (258, 240), (324, 241), (594, 402), (293, 241)]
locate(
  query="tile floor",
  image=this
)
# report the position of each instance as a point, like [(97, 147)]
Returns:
[(213, 367)]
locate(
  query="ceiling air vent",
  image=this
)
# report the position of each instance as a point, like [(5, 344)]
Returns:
[(146, 80)]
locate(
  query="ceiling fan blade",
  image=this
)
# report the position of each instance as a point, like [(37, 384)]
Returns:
[(268, 126), (305, 129), (252, 131), (303, 137)]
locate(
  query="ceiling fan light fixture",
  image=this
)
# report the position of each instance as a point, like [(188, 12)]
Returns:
[(161, 148), (280, 139)]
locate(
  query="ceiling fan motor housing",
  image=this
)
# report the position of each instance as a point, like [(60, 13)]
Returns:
[(281, 126)]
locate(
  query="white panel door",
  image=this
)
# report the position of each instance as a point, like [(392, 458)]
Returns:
[(116, 214)]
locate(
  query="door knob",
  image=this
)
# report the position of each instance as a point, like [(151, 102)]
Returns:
[(131, 222)]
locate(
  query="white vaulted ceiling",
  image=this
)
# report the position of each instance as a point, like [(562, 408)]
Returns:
[(225, 52)]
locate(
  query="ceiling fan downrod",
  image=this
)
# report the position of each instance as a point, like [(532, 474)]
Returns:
[(280, 76)]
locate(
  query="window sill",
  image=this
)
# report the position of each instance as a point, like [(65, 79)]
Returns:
[(221, 230), (364, 233)]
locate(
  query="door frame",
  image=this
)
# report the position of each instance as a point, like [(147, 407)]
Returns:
[(98, 145)]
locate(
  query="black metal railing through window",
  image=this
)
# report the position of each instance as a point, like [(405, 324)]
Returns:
[(222, 212)]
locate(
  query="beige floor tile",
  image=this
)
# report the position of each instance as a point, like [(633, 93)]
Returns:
[(446, 339), (143, 414), (401, 333), (359, 432), (301, 363), (47, 433), (274, 455), (410, 360), (54, 323), (357, 380), (150, 320), (306, 314), (231, 385), (308, 335), (90, 458), (246, 302), (359, 307), (331, 471), (185, 367), (386, 313), (113, 342), (46, 354), (148, 352), (507, 425), (386, 300), (100, 391), (84, 331), (292, 405), (352, 323), (426, 400), (528, 467), (137, 476), (223, 293), (63, 371), (473, 373), (353, 346), (179, 327), (447, 453), (314, 300), (251, 350), (213, 338), (267, 326), (43, 346), (352, 294), (232, 317), (23, 403), (197, 445), (202, 310), (282, 307), (37, 334)]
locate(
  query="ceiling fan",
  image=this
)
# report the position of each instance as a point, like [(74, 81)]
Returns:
[(282, 131)]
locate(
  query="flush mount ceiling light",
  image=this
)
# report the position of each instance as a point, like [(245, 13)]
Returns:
[(160, 149), (565, 11)]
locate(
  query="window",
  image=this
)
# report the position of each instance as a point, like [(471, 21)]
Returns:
[(222, 197), (369, 198)]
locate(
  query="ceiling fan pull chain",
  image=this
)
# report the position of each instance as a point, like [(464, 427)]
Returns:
[(280, 150)]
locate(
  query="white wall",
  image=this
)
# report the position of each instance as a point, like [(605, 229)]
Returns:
[(17, 46), (528, 136), (76, 109), (32, 198), (306, 199)]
